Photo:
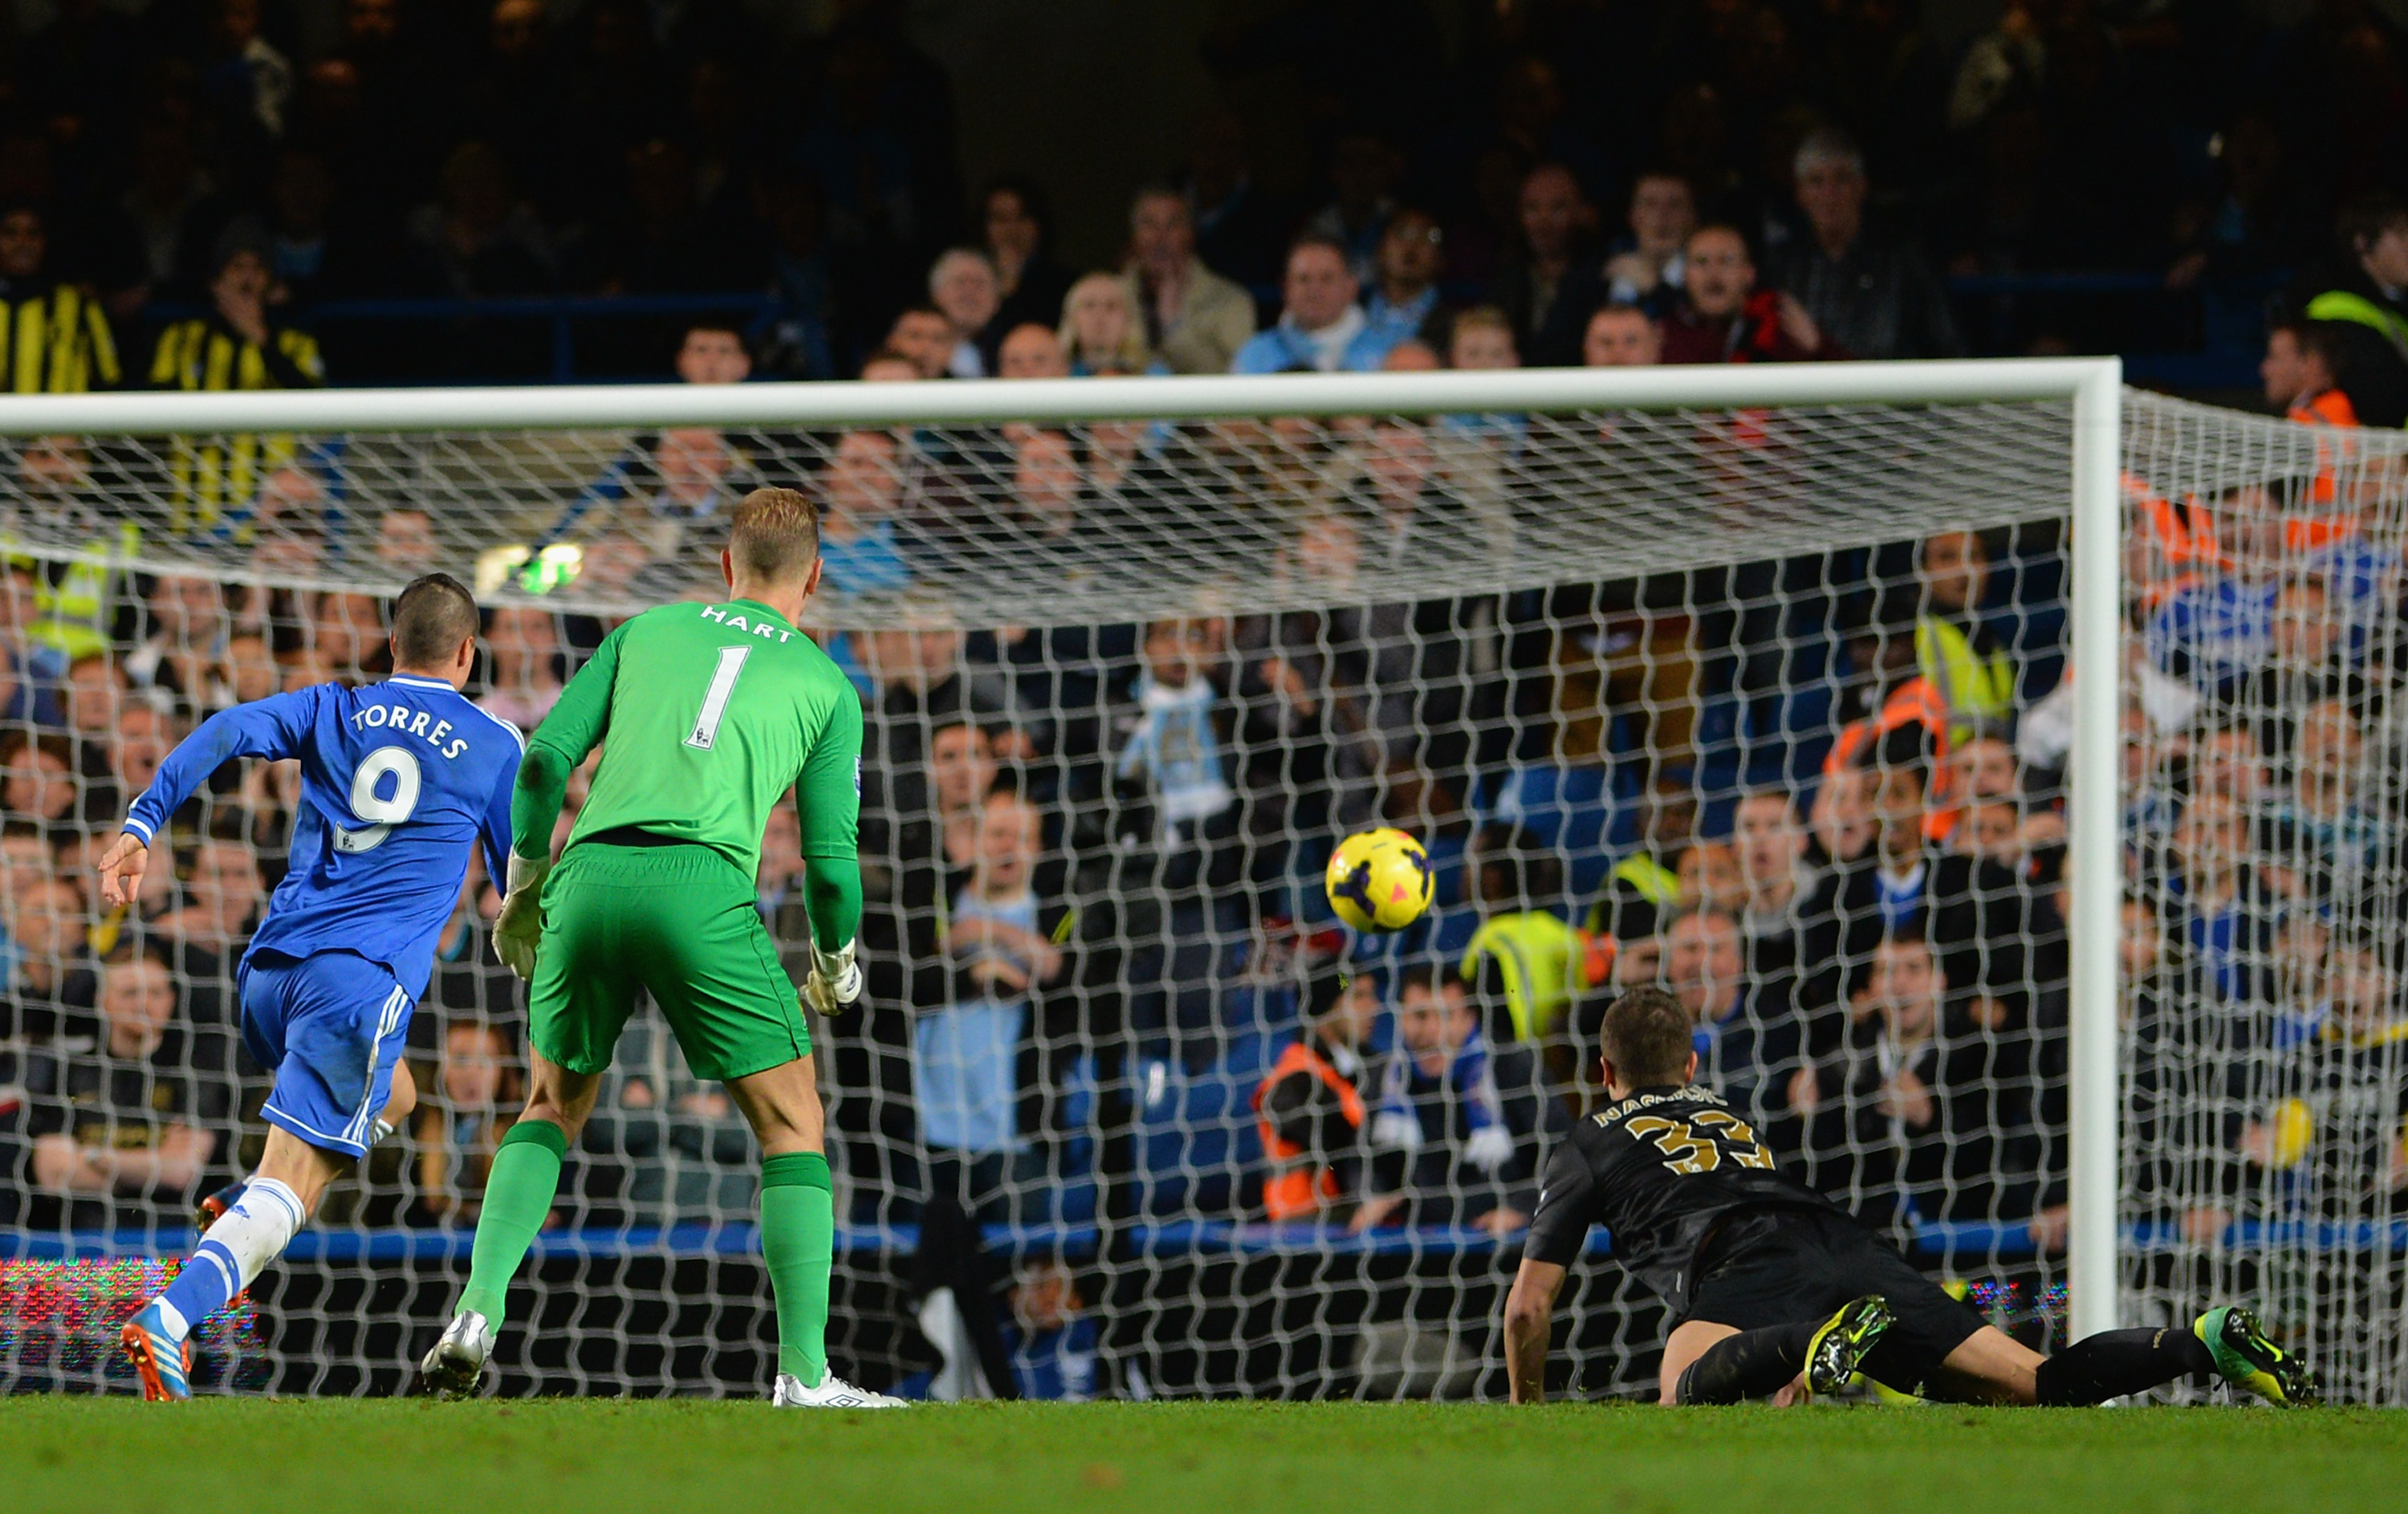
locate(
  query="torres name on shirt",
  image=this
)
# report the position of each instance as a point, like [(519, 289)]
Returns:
[(395, 777)]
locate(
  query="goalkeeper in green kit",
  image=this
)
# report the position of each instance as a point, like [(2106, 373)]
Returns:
[(710, 713)]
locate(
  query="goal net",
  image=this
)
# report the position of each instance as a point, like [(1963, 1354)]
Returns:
[(2265, 1056), (1765, 702)]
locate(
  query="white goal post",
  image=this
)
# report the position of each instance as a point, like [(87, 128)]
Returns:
[(2091, 388)]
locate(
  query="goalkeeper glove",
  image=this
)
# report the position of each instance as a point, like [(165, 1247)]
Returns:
[(835, 982), (519, 928)]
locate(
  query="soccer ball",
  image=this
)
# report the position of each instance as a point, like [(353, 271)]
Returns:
[(1379, 880)]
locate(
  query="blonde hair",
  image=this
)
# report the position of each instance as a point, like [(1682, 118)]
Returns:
[(1132, 354), (774, 534), (1479, 318), (1482, 318)]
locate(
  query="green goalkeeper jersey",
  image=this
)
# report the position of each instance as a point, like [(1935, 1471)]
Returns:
[(706, 715)]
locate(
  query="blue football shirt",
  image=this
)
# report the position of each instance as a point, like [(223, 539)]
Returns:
[(398, 779)]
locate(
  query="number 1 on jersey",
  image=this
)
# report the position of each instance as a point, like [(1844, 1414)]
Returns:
[(714, 698)]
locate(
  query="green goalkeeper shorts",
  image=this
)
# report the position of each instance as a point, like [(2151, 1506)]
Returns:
[(680, 922)]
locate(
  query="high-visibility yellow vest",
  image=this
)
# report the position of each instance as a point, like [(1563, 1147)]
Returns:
[(1649, 879), (1642, 875), (1978, 689), (73, 615), (1544, 961), (2341, 305)]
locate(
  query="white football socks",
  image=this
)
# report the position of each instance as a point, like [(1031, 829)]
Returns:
[(259, 1226), (245, 1239)]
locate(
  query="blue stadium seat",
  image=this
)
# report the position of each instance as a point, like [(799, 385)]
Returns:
[(1195, 1135)]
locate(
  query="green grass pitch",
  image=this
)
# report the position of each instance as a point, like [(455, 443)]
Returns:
[(597, 1456)]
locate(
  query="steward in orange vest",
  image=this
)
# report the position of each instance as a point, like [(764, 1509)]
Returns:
[(2302, 372), (1310, 1109), (1911, 724), (2328, 407)]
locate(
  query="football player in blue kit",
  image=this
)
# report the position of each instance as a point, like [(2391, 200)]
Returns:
[(398, 780)]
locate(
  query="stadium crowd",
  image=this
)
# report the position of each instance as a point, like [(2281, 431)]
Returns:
[(180, 187), (1819, 798)]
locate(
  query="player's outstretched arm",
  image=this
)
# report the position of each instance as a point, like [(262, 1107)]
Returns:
[(272, 728), (1566, 1211), (1529, 1319)]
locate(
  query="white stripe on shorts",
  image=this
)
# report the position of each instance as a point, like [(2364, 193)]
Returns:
[(396, 1004)]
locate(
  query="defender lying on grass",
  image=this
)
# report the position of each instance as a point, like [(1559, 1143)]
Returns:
[(1778, 1290)]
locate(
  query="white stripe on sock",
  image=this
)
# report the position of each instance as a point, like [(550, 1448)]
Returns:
[(282, 1194), (234, 1284)]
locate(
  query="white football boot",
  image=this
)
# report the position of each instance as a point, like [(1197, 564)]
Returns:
[(833, 1392), (457, 1363)]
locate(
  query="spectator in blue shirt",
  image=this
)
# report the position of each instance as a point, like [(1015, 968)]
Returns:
[(1412, 252), (1322, 329), (2330, 828), (1745, 1035), (1051, 1337), (24, 869), (2225, 903), (860, 488), (2221, 630), (1003, 950), (1459, 1119)]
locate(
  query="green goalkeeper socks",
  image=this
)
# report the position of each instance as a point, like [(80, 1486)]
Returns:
[(519, 1193), (797, 1236), (798, 1243)]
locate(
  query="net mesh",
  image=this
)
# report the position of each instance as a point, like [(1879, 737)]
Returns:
[(2265, 1040), (1766, 705)]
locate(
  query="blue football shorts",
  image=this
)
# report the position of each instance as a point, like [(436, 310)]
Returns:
[(331, 1027)]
